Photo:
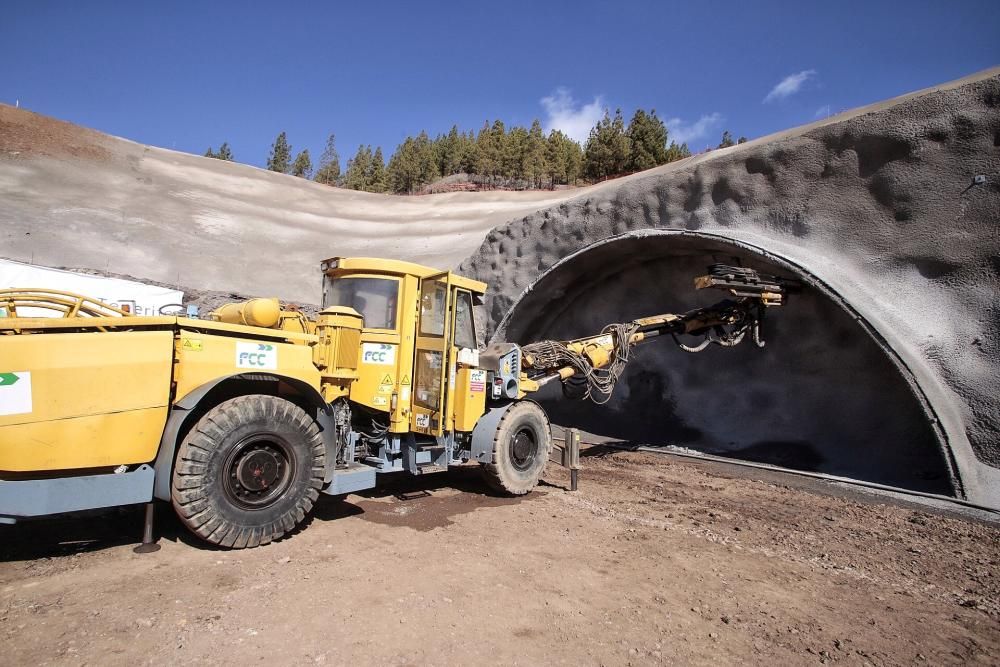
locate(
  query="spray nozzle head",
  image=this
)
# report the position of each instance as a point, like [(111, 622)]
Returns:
[(744, 282)]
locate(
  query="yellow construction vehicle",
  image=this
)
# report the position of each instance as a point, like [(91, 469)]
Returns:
[(243, 419)]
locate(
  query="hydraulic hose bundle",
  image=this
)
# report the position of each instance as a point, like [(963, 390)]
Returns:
[(587, 381)]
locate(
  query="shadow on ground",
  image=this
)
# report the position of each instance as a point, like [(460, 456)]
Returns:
[(422, 503)]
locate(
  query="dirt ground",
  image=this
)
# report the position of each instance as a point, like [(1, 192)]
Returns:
[(654, 560)]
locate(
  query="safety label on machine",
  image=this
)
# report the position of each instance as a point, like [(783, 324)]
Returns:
[(423, 421), (15, 393), (378, 353), (192, 345), (477, 380), (260, 356)]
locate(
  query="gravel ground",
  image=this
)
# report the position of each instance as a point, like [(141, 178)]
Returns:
[(654, 560)]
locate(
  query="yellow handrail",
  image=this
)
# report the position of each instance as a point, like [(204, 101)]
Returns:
[(67, 303)]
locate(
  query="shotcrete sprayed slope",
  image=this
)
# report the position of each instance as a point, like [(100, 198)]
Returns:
[(875, 206), (76, 197)]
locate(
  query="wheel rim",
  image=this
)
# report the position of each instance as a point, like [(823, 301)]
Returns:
[(258, 471), (523, 449)]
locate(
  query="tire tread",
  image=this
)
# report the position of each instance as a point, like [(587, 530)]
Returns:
[(191, 489)]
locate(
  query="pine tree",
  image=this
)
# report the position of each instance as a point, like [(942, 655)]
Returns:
[(676, 152), (428, 168), (512, 151), (555, 161), (621, 146), (469, 153), (574, 160), (648, 140), (394, 170), (403, 172), (535, 156), (608, 148), (302, 167), (448, 150), (485, 158), (376, 175), (224, 153), (563, 159), (281, 152), (358, 169), (440, 147), (741, 140), (491, 147), (596, 153), (356, 176), (727, 140), (328, 172)]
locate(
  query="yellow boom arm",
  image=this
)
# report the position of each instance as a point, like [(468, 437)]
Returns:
[(594, 363)]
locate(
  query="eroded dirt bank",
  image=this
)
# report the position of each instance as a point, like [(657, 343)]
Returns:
[(652, 561)]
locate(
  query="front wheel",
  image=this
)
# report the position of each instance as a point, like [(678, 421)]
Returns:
[(521, 448), (249, 471)]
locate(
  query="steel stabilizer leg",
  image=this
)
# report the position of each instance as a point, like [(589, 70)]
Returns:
[(148, 545)]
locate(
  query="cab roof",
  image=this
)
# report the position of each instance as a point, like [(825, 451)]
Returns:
[(343, 265)]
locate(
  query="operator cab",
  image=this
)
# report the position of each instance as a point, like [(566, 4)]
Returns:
[(418, 340)]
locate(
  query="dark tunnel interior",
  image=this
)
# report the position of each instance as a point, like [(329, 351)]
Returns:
[(821, 396)]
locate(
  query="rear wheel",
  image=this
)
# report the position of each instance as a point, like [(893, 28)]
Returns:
[(249, 471), (521, 449)]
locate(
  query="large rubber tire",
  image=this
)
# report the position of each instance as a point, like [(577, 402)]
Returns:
[(249, 471), (521, 448)]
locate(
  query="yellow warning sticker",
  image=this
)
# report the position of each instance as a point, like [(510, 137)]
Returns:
[(405, 380), (385, 388), (192, 344), (386, 380), (380, 400)]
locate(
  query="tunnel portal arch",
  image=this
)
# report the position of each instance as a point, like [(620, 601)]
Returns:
[(826, 394)]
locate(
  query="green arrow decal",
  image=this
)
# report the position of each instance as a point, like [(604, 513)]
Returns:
[(7, 379)]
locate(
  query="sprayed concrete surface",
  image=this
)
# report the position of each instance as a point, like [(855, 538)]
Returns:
[(750, 403), (895, 348), (78, 198), (650, 562)]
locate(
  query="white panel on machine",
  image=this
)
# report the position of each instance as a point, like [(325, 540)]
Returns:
[(140, 299)]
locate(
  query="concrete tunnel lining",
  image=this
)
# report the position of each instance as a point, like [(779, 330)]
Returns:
[(767, 405), (875, 202)]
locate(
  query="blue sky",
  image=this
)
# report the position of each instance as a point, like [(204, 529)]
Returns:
[(187, 75)]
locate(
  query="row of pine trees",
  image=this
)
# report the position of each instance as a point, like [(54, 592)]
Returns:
[(496, 157)]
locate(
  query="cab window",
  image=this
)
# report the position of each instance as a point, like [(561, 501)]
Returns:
[(432, 307), (374, 298), (465, 323)]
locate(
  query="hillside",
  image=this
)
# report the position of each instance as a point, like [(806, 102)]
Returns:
[(79, 198)]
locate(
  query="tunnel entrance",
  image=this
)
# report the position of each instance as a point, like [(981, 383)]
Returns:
[(822, 395)]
